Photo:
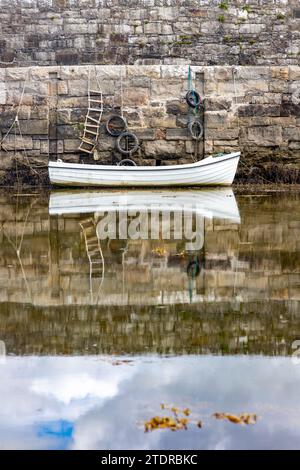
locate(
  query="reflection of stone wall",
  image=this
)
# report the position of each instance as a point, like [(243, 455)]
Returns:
[(208, 328), (150, 31), (257, 260), (262, 120)]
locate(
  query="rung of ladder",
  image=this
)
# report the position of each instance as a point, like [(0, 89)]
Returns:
[(90, 132), (93, 248), (97, 262), (87, 141), (95, 92), (93, 119), (95, 110), (88, 221), (91, 125), (96, 101), (93, 241)]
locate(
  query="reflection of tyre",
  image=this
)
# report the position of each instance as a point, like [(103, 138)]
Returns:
[(127, 143), (115, 125), (196, 129), (193, 99), (193, 269)]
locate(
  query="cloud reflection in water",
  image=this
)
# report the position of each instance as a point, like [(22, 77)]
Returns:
[(88, 403)]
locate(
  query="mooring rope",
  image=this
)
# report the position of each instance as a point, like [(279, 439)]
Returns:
[(16, 126)]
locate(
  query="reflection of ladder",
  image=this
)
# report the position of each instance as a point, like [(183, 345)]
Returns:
[(93, 251), (92, 122)]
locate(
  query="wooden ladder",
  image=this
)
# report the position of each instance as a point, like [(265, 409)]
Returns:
[(93, 251), (92, 122)]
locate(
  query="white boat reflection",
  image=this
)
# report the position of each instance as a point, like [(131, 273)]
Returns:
[(156, 233), (210, 203)]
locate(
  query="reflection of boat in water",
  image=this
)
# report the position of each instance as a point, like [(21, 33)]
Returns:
[(210, 203), (145, 232), (218, 170)]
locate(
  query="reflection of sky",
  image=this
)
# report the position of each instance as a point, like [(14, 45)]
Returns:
[(88, 403)]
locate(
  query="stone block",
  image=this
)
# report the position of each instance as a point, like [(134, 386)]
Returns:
[(152, 28), (62, 87), (136, 96), (177, 134), (294, 73), (252, 28), (265, 136), (67, 56), (44, 146), (13, 142), (215, 119), (171, 71), (78, 88), (291, 133), (163, 122), (63, 116), (163, 149), (221, 133), (281, 73), (74, 72), (71, 145), (144, 134), (34, 127), (259, 110), (143, 70), (176, 107), (2, 93), (163, 90)]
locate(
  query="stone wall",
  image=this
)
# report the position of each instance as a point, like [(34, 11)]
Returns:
[(255, 109), (206, 32)]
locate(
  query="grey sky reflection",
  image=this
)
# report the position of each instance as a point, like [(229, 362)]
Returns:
[(88, 403)]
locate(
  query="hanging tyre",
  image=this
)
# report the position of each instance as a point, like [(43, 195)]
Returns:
[(196, 129), (115, 125), (193, 99), (127, 143)]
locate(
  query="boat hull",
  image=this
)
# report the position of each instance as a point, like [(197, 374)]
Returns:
[(212, 171)]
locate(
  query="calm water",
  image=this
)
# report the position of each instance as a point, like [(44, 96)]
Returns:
[(112, 304)]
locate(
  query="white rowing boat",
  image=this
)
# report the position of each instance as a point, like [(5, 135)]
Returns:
[(216, 170)]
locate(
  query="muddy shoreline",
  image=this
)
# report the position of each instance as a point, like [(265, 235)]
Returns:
[(276, 177)]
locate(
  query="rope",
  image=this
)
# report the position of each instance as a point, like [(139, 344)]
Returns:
[(234, 71), (193, 113), (16, 126), (190, 87), (18, 247)]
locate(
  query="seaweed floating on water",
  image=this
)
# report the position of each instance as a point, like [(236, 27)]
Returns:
[(159, 251), (166, 422), (180, 419), (174, 423), (245, 418), (121, 362)]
